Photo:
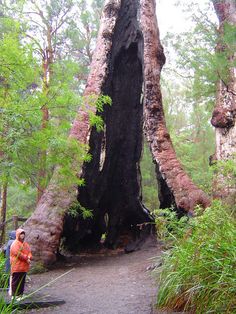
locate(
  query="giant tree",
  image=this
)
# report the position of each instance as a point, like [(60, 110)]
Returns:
[(126, 65)]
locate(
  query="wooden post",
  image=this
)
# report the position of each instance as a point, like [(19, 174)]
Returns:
[(15, 222)]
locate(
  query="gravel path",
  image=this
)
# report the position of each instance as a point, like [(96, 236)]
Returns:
[(102, 284)]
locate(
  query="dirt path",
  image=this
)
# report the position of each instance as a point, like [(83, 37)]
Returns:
[(118, 284)]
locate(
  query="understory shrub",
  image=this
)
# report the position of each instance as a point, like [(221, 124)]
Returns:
[(3, 275), (169, 227), (4, 307), (199, 272)]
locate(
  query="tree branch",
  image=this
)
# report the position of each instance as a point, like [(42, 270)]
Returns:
[(61, 22)]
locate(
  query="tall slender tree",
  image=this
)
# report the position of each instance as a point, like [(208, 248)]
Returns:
[(16, 63), (224, 114)]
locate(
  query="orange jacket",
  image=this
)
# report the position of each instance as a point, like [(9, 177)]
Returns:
[(20, 254)]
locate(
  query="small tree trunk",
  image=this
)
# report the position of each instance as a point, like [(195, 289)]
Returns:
[(224, 114), (42, 173), (3, 190), (3, 211), (47, 76)]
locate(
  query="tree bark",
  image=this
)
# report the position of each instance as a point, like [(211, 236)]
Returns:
[(128, 56), (224, 114)]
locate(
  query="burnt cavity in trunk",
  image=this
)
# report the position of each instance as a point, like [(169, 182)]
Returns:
[(113, 182)]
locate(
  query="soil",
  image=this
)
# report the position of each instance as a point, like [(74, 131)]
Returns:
[(105, 283)]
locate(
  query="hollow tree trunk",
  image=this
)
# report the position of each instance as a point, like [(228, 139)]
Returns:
[(224, 114), (128, 59), (113, 186)]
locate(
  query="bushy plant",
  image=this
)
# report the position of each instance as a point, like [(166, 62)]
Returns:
[(3, 275), (4, 307), (77, 209), (198, 274), (169, 227)]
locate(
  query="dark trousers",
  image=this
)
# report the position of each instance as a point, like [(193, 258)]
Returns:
[(18, 283)]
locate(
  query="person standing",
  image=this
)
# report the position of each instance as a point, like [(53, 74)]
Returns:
[(20, 258), (12, 237)]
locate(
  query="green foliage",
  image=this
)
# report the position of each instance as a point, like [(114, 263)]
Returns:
[(149, 181), (21, 199), (168, 226), (197, 65), (17, 72), (69, 155), (193, 147), (227, 169), (7, 309), (225, 178), (77, 209), (189, 87), (96, 121), (101, 101), (198, 274), (94, 118), (3, 275), (73, 212), (23, 48), (86, 213), (191, 133)]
